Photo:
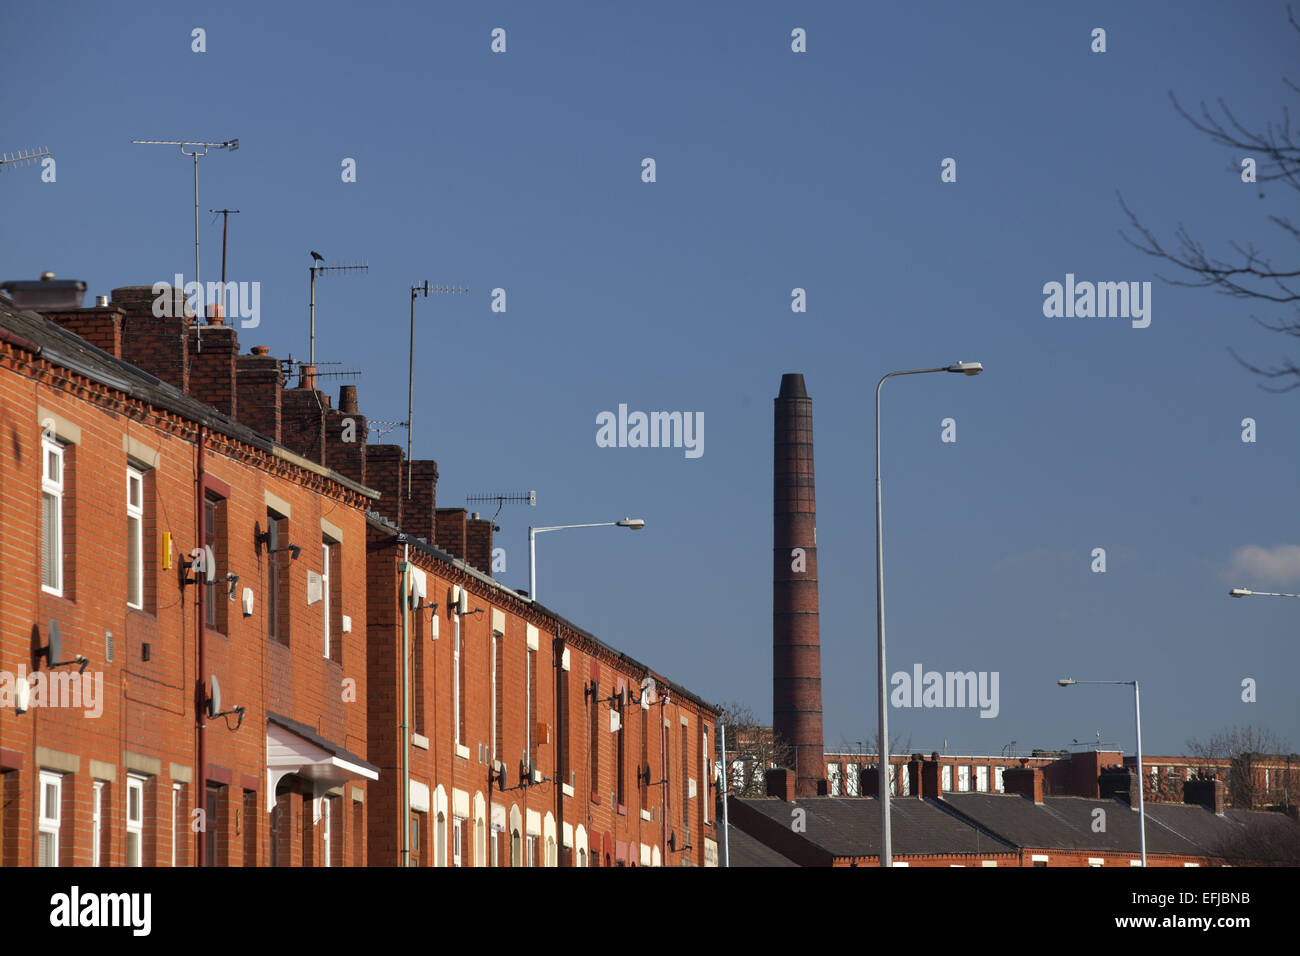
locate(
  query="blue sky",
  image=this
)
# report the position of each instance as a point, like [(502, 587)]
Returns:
[(522, 171)]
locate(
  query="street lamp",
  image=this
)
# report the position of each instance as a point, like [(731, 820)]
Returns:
[(1246, 592), (636, 524), (1137, 708), (886, 853)]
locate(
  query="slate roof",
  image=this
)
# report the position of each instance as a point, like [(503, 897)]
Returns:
[(1066, 823), (850, 826), (746, 851)]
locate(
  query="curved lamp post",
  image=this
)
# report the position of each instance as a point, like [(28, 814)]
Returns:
[(886, 853), (1137, 708), (636, 524)]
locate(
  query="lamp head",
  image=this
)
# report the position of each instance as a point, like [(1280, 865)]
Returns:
[(636, 524), (966, 368), (1240, 592), (1067, 682)]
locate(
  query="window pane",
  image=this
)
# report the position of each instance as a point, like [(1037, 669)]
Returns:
[(46, 855), (50, 541), (133, 566)]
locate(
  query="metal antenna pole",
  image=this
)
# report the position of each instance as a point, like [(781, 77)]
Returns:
[(230, 144), (424, 288), (225, 222), (315, 268)]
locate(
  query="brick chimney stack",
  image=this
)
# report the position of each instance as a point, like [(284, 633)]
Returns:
[(157, 344), (796, 634), (1024, 780), (1210, 794)]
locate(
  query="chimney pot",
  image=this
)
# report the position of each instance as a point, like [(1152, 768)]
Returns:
[(348, 399), (216, 314), (261, 350), (101, 302)]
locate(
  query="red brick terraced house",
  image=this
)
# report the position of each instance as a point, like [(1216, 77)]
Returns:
[(232, 633)]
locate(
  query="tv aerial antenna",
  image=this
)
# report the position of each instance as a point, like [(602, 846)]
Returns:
[(383, 428), (289, 366), (529, 497), (225, 224), (24, 158), (199, 149), (317, 266), (423, 289)]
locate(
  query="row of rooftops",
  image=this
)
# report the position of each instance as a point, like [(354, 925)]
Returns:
[(983, 824), (47, 339)]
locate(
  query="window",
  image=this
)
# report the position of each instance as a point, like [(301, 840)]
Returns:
[(532, 705), (213, 838), (564, 728), (440, 840), (1096, 861), (277, 586), (326, 621), (96, 823), (1038, 860), (997, 773), (963, 779), (982, 779), (458, 685), (622, 751), (907, 780), (530, 851), (415, 839), (947, 778), (326, 833), (893, 780), (833, 777), (705, 777), (50, 815), (331, 589), (134, 538), (686, 773), (251, 817), (215, 592), (134, 821), (416, 651), (852, 780), (51, 517), (457, 835), (498, 698), (593, 746), (178, 819), (516, 849), (644, 767)]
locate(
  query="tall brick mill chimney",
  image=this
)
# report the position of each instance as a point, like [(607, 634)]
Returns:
[(796, 633)]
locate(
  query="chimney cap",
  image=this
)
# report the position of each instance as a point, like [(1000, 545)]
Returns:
[(792, 386), (261, 350)]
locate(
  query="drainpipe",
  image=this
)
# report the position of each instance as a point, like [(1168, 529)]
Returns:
[(201, 587), (405, 568), (663, 791), (561, 746)]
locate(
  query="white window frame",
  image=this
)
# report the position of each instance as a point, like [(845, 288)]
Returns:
[(945, 778), (852, 780), (176, 810), (135, 827), (1096, 861), (440, 839), (325, 548), (96, 821), (530, 848), (50, 816), (52, 488), (963, 779), (457, 840), (704, 773), (833, 778), (135, 537), (982, 779), (907, 781), (326, 820), (997, 776), (455, 680)]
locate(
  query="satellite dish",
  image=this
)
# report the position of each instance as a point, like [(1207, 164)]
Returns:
[(214, 702), (647, 693), (22, 695), (462, 606), (54, 650), (209, 563)]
